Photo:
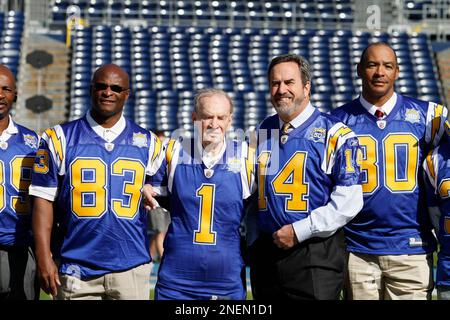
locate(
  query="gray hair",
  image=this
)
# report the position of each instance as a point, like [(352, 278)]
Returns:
[(303, 65), (202, 93)]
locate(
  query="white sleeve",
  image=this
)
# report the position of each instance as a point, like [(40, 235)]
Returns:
[(345, 203), (43, 192)]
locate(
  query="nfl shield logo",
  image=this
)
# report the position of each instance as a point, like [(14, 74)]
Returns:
[(208, 173), (381, 124), (30, 141), (139, 139)]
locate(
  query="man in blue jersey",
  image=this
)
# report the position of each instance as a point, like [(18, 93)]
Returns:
[(308, 189), (437, 168), (390, 241), (18, 147), (206, 179), (92, 171)]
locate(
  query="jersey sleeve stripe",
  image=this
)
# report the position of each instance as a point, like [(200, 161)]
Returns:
[(436, 122), (332, 142), (430, 166), (169, 154), (157, 147), (56, 142), (250, 165)]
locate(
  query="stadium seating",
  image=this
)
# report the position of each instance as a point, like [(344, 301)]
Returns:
[(180, 54), (204, 12), (168, 64), (11, 30)]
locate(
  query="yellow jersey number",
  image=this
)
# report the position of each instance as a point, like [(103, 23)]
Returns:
[(19, 181), (205, 233), (370, 159), (290, 181), (89, 180)]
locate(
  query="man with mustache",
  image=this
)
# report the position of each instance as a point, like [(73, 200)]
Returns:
[(87, 178), (18, 147), (390, 242), (308, 189)]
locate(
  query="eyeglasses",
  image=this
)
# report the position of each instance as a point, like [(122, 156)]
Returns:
[(114, 87)]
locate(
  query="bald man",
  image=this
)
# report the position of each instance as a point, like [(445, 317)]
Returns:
[(18, 147), (390, 241), (87, 179)]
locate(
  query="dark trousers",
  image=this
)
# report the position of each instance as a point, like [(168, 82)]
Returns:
[(312, 270), (18, 278)]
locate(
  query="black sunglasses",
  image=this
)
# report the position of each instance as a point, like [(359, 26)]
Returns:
[(98, 86)]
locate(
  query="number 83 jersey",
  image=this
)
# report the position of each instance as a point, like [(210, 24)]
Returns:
[(394, 219), (98, 194)]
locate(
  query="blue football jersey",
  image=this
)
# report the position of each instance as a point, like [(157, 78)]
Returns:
[(394, 219), (16, 163), (437, 168), (202, 257), (98, 204), (297, 172)]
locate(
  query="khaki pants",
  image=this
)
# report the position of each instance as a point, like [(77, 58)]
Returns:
[(390, 277), (133, 284)]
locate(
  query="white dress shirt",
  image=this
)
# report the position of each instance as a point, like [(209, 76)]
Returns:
[(386, 108)]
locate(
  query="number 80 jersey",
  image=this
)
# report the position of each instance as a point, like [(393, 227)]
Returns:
[(98, 194), (394, 219)]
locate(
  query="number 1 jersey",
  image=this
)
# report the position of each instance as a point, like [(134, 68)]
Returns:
[(202, 256)]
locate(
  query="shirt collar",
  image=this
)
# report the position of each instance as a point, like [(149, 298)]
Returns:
[(211, 160), (301, 118), (387, 107), (12, 128), (114, 131)]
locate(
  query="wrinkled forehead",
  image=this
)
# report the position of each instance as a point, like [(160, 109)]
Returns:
[(285, 70), (216, 104)]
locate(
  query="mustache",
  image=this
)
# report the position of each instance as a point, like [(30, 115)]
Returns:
[(284, 95)]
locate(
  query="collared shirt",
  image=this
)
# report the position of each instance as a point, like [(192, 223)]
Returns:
[(211, 160), (345, 202), (300, 119), (9, 131), (386, 108), (108, 134)]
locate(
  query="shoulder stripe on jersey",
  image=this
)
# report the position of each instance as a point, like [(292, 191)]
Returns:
[(436, 122), (57, 145), (333, 140), (169, 153), (250, 164), (430, 165), (157, 147)]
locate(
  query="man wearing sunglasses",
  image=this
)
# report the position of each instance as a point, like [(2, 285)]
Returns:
[(91, 171)]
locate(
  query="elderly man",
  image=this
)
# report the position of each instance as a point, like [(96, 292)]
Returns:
[(207, 179)]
